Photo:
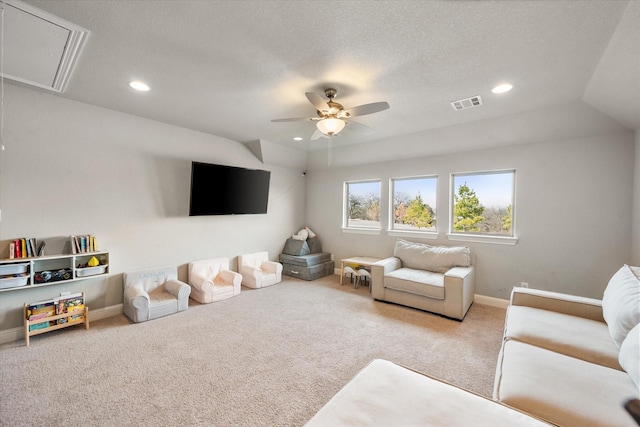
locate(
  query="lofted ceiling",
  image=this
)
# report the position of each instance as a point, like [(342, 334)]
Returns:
[(229, 67)]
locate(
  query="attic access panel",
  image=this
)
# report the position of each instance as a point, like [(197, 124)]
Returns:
[(38, 48)]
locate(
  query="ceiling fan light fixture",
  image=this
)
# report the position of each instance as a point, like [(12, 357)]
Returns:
[(330, 126)]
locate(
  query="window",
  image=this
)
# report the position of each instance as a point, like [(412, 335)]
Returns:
[(414, 204), (483, 203), (362, 204)]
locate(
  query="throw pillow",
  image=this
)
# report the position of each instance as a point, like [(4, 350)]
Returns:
[(301, 235), (621, 304), (628, 357), (438, 259), (311, 233)]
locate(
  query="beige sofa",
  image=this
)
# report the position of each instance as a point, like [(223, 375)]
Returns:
[(440, 279), (385, 394), (570, 360)]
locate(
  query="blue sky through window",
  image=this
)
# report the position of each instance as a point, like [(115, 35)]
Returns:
[(494, 189), (426, 187)]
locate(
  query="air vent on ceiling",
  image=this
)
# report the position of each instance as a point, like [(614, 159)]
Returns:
[(38, 48), (463, 104)]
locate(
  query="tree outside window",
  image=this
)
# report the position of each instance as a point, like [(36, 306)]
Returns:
[(483, 203), (414, 203), (362, 204)]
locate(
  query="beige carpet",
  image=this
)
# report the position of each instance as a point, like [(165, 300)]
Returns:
[(268, 357)]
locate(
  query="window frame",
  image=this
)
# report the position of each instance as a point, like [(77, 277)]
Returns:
[(480, 237), (345, 208), (424, 234)]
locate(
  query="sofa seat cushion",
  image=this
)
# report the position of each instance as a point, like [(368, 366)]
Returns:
[(561, 389), (574, 336), (306, 260), (418, 282), (161, 303), (385, 394)]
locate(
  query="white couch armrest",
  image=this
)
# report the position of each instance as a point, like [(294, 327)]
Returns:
[(459, 289), (136, 302), (378, 270), (200, 282), (271, 267), (229, 277), (588, 308), (180, 290), (136, 296)]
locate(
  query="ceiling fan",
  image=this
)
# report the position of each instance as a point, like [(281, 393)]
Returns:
[(333, 117)]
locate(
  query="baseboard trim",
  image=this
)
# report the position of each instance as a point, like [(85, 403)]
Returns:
[(16, 334), (490, 301)]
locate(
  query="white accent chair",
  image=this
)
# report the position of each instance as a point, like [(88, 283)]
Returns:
[(257, 271), (153, 293), (439, 279), (211, 280)]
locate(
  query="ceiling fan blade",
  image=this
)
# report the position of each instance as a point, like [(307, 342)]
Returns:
[(317, 101), (295, 119), (354, 126), (316, 135), (363, 110)]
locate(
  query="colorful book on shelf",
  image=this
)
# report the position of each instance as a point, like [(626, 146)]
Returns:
[(36, 326), (78, 313), (27, 244), (39, 311), (17, 246), (70, 304)]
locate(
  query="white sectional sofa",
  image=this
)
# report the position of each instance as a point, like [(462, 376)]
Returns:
[(570, 360), (385, 394), (440, 279)]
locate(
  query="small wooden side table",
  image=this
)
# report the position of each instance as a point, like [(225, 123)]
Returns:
[(363, 261)]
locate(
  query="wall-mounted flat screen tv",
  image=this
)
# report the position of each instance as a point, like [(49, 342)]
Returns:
[(228, 190)]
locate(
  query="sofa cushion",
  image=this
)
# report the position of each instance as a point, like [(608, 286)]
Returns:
[(621, 303), (630, 355), (296, 247), (314, 245), (574, 336), (431, 258), (564, 390), (306, 260), (418, 282)]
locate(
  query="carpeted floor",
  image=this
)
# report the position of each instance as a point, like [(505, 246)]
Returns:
[(268, 357)]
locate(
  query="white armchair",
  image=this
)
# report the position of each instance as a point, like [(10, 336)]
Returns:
[(211, 280), (440, 279), (153, 293), (257, 271)]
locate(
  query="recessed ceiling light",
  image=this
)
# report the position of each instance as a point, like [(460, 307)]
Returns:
[(138, 85), (502, 88), (298, 138)]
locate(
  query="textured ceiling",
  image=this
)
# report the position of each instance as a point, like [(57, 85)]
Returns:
[(228, 67)]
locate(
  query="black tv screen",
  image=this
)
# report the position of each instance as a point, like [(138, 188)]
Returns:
[(228, 190)]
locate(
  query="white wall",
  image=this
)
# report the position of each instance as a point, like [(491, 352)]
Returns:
[(635, 257), (573, 211), (72, 168)]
